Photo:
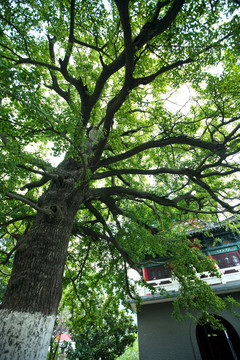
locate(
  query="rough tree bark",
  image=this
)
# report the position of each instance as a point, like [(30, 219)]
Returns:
[(31, 301), (34, 291)]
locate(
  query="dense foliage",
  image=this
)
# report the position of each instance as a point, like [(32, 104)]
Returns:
[(99, 328), (89, 82), (105, 338)]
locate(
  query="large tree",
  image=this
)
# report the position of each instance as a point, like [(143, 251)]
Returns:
[(88, 80)]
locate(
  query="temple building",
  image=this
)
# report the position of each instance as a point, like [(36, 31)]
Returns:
[(161, 337)]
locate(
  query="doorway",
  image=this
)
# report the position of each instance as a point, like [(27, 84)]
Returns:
[(218, 344)]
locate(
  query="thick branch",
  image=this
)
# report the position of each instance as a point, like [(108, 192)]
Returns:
[(19, 218), (4, 139), (95, 235), (122, 6), (98, 216), (43, 173), (28, 202), (230, 136), (129, 193), (148, 79), (78, 83), (45, 177), (164, 170), (65, 61), (36, 183), (156, 26), (212, 194), (182, 140), (113, 106), (133, 194), (147, 33), (55, 86), (124, 171)]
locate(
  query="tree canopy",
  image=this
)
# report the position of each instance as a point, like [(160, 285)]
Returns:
[(87, 82), (99, 328)]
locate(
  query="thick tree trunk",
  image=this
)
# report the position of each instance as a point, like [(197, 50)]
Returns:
[(34, 291), (25, 335)]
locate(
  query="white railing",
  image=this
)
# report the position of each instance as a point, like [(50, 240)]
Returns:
[(169, 284), (227, 275)]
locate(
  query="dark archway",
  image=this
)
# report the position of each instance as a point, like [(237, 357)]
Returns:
[(218, 344)]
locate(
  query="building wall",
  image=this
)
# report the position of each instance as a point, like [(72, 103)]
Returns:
[(163, 338)]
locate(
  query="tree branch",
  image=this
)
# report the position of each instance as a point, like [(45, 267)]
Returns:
[(164, 170), (79, 275), (132, 194), (93, 47), (145, 35), (113, 106), (36, 183), (65, 61), (148, 79), (38, 63), (205, 186), (75, 287), (4, 139), (19, 218), (55, 86), (156, 26), (11, 50), (127, 282), (183, 140), (45, 177), (28, 202), (128, 193), (44, 173), (98, 216), (118, 172), (122, 6), (111, 239), (9, 255)]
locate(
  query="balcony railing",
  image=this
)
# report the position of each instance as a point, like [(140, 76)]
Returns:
[(168, 284), (227, 275)]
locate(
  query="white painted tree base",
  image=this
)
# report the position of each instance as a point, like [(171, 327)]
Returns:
[(24, 336)]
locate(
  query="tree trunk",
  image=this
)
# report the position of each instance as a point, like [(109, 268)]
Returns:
[(25, 335), (34, 291)]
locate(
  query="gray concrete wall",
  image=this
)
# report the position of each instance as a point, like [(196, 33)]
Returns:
[(163, 338)]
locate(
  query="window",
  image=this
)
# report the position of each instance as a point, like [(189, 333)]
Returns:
[(153, 276), (229, 259), (236, 260), (158, 272), (220, 263)]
